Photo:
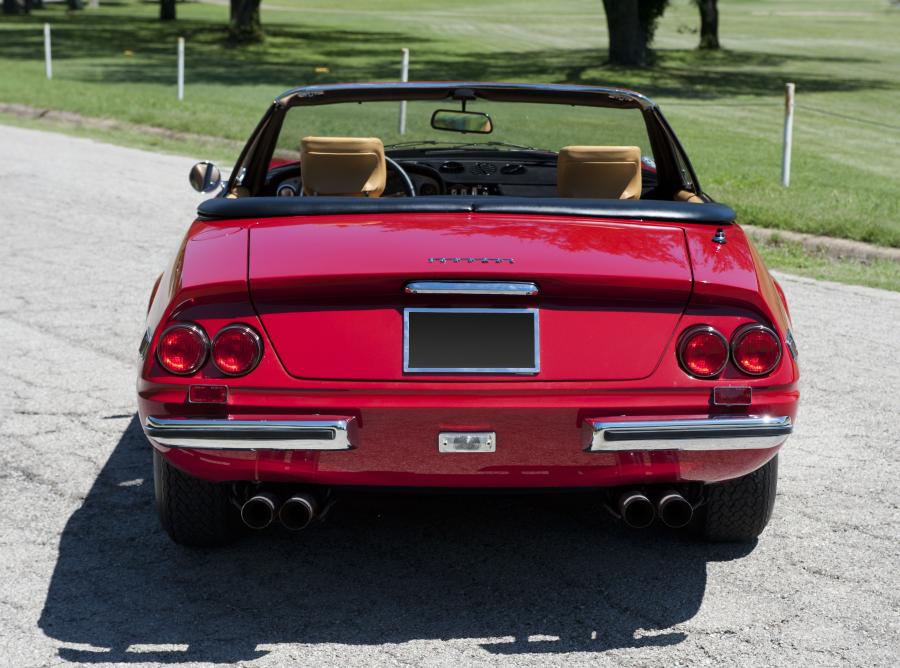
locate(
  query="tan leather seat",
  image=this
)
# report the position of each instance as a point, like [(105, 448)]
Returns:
[(687, 196), (351, 166), (603, 172)]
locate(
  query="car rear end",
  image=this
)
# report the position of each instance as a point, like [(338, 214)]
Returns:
[(475, 350)]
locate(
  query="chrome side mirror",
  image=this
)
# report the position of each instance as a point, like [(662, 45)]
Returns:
[(205, 177)]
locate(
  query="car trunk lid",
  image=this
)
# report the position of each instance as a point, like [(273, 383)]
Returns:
[(330, 290)]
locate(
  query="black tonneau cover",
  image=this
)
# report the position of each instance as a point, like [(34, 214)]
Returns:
[(220, 208)]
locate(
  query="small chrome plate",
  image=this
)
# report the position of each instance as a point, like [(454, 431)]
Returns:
[(467, 441)]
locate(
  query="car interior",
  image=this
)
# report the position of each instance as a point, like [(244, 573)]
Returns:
[(361, 167)]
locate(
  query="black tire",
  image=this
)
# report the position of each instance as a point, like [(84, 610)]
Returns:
[(193, 512), (738, 510)]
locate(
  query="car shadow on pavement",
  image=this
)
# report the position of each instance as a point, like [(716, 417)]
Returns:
[(520, 574)]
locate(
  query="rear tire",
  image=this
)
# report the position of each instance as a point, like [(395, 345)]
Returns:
[(193, 512), (738, 510)]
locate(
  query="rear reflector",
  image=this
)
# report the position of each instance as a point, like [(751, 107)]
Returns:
[(702, 351), (755, 349), (732, 396), (182, 349), (208, 394)]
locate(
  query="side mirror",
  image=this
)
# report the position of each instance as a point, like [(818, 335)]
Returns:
[(205, 177), (453, 120)]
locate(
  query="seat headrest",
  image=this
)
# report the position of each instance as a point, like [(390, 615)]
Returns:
[(601, 172), (351, 166)]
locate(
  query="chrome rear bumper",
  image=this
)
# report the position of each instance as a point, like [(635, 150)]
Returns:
[(209, 434), (600, 435), (718, 433)]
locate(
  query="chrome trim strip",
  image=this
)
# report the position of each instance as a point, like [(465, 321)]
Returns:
[(716, 433), (521, 370), (791, 344), (513, 289), (216, 434), (145, 343)]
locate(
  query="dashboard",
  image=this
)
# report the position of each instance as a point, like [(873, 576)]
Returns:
[(481, 175)]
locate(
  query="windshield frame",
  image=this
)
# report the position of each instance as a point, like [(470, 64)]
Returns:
[(251, 168)]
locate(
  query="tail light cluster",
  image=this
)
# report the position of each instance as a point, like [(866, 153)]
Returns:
[(184, 348), (703, 352)]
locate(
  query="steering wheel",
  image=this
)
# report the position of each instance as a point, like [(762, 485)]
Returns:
[(407, 182)]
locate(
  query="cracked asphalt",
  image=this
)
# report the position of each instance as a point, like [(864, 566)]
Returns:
[(87, 576)]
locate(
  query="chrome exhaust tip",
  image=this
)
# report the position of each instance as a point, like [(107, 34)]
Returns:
[(298, 511), (636, 510), (259, 510), (674, 510)]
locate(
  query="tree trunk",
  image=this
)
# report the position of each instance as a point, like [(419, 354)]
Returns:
[(245, 24), (709, 24), (627, 40), (166, 10), (11, 7)]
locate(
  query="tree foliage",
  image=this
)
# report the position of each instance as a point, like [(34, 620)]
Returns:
[(632, 25), (649, 12)]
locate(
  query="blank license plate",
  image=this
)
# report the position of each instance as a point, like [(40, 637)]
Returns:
[(470, 340)]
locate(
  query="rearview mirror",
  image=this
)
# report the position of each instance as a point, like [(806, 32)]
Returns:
[(205, 177), (454, 120)]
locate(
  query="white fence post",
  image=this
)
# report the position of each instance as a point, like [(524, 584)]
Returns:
[(404, 76), (48, 58), (788, 134), (181, 68)]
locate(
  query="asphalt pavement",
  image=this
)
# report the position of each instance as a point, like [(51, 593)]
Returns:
[(87, 576)]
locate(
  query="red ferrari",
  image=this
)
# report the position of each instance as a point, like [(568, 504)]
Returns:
[(549, 302)]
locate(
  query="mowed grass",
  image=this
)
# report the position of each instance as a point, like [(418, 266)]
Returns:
[(119, 62)]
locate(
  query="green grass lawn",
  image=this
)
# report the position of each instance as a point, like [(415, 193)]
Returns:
[(844, 55)]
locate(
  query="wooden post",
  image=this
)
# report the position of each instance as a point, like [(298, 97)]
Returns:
[(788, 134), (180, 68), (404, 76), (48, 58)]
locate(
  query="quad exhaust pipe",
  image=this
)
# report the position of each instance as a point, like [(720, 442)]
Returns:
[(638, 511), (674, 510), (296, 513), (258, 511)]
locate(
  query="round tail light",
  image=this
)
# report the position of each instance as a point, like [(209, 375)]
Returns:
[(755, 349), (182, 349), (702, 351), (236, 350)]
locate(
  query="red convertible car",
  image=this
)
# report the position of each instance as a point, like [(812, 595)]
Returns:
[(549, 302)]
